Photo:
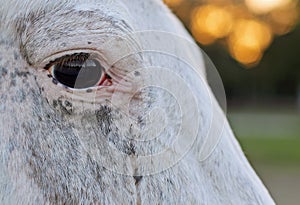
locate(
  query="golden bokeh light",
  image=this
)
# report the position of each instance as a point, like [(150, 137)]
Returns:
[(283, 20), (265, 6), (172, 3), (245, 27), (248, 40), (246, 54), (239, 11), (210, 23)]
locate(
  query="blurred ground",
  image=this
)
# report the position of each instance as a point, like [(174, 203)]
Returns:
[(271, 141), (283, 182)]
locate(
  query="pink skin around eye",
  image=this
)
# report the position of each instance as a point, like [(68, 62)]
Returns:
[(105, 80), (115, 82)]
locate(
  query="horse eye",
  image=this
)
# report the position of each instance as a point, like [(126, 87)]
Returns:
[(77, 71)]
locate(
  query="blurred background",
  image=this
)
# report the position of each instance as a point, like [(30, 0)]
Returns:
[(255, 45)]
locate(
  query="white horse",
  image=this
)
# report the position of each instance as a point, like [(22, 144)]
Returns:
[(106, 102)]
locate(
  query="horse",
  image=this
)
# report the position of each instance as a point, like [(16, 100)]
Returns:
[(108, 102)]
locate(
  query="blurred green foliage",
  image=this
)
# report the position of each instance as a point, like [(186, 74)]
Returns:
[(277, 151)]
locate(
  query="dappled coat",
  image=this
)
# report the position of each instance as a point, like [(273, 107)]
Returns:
[(138, 124)]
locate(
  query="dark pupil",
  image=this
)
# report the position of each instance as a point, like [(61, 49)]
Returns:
[(78, 74)]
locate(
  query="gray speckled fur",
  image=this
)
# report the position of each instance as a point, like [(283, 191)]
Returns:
[(42, 159)]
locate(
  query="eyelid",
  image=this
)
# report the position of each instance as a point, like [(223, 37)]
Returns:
[(67, 58), (94, 54)]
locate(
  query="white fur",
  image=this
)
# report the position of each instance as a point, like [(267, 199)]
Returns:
[(41, 158)]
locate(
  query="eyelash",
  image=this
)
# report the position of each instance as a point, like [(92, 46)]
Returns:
[(63, 59)]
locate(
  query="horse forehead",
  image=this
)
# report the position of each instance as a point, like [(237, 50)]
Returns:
[(18, 16), (27, 9), (45, 24), (90, 9), (47, 27)]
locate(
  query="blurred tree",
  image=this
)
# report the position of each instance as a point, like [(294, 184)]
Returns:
[(257, 33), (277, 75)]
